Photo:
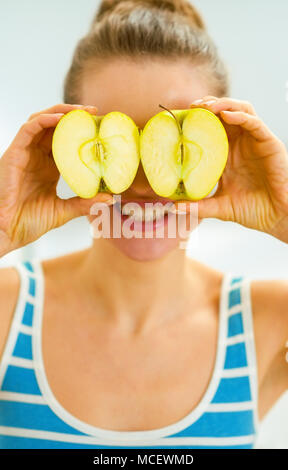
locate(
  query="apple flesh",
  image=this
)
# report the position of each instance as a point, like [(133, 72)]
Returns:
[(184, 153), (96, 153)]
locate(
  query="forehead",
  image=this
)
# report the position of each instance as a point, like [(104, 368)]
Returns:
[(137, 87)]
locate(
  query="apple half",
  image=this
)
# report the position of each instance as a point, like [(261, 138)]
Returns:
[(96, 153), (183, 152)]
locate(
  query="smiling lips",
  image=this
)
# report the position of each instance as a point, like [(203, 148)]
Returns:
[(144, 214)]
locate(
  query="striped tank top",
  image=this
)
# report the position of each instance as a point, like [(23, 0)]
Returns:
[(31, 417)]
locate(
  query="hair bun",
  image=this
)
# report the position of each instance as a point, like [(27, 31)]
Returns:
[(183, 7)]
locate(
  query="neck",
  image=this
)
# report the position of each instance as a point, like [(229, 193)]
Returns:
[(137, 294)]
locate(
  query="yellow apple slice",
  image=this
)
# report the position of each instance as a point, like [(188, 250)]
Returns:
[(95, 153), (184, 152)]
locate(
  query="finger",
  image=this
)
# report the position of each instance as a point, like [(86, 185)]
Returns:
[(30, 129), (44, 140), (64, 108), (218, 207), (252, 124), (217, 105), (69, 209), (205, 99)]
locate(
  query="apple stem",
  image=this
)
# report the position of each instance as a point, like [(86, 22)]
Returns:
[(166, 109), (180, 131)]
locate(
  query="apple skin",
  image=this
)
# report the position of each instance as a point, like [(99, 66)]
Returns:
[(96, 153), (180, 193), (103, 187), (180, 114)]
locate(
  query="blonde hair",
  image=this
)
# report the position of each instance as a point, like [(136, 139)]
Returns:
[(141, 29)]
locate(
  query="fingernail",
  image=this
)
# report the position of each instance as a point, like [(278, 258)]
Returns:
[(110, 201), (105, 198), (174, 210), (197, 101), (209, 102), (180, 208)]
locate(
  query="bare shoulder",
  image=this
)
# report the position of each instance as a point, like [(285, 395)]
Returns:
[(9, 291), (207, 281), (57, 269), (269, 302), (270, 308)]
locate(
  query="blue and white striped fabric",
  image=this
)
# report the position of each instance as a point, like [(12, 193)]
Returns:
[(31, 417)]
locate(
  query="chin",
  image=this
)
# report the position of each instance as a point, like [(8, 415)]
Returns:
[(145, 249)]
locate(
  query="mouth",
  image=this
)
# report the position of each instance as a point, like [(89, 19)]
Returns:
[(144, 214)]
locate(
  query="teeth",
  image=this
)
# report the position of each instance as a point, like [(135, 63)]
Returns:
[(145, 214)]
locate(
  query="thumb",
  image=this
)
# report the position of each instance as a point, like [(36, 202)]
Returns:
[(68, 209), (209, 208), (218, 207)]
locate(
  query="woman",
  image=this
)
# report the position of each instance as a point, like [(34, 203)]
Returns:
[(130, 343)]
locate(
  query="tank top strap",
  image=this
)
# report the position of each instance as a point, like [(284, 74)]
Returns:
[(18, 350), (29, 292), (248, 322), (240, 354)]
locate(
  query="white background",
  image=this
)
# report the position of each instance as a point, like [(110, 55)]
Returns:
[(36, 43)]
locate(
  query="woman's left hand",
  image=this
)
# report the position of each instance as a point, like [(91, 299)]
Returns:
[(253, 189)]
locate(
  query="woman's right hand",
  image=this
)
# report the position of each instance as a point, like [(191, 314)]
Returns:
[(29, 205)]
